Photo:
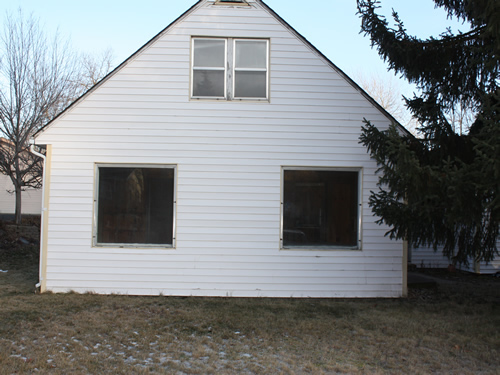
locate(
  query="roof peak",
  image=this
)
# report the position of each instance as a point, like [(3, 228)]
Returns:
[(231, 2)]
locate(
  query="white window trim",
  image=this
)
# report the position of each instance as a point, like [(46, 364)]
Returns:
[(229, 70), (96, 201), (359, 246)]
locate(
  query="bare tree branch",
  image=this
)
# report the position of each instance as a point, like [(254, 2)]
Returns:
[(387, 93), (39, 77)]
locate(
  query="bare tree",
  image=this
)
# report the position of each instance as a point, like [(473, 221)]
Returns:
[(37, 77), (94, 68), (388, 93), (461, 117)]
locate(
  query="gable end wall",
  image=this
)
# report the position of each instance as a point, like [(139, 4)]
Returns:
[(229, 157)]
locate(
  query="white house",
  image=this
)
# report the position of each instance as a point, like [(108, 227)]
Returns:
[(221, 159)]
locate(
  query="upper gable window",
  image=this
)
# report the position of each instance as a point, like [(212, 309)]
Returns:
[(231, 69), (250, 69), (209, 68)]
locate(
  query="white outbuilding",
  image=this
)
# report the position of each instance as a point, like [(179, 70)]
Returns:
[(221, 159)]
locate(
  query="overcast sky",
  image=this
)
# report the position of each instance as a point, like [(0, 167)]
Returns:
[(330, 25)]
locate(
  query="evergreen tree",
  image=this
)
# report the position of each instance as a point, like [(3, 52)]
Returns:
[(441, 189)]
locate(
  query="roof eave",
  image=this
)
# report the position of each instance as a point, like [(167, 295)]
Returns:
[(390, 117), (183, 15), (118, 68)]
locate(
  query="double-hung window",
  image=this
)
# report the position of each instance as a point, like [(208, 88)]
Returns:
[(230, 69), (209, 68), (134, 205), (320, 208)]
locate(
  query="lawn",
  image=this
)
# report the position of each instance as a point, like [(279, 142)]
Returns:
[(451, 329)]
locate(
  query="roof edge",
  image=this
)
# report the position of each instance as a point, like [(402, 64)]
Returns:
[(118, 68), (183, 15), (338, 70)]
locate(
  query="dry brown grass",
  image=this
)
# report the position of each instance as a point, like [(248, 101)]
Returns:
[(450, 330)]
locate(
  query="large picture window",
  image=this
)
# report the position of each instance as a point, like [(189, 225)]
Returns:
[(135, 205), (227, 68), (320, 208)]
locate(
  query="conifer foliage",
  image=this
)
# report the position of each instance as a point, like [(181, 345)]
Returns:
[(441, 189)]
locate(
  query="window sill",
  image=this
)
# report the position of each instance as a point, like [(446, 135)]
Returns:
[(224, 100), (320, 248), (133, 246)]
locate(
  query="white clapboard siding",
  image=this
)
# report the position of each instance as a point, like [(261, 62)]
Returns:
[(31, 199), (229, 157), (492, 267), (426, 257)]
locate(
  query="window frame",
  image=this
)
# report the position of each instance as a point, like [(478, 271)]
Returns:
[(358, 246), (230, 70), (225, 69), (95, 223), (234, 69)]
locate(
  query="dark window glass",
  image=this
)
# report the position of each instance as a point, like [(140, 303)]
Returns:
[(208, 83), (320, 208), (135, 206), (250, 84)]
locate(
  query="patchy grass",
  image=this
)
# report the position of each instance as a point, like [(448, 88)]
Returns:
[(453, 329)]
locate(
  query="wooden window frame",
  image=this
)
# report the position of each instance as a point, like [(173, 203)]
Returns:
[(230, 69), (95, 242), (358, 245)]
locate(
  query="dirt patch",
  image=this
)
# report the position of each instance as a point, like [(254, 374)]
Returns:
[(19, 248)]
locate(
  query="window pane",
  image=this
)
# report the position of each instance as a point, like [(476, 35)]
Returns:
[(251, 54), (209, 53), (320, 208), (208, 83), (135, 205), (250, 85)]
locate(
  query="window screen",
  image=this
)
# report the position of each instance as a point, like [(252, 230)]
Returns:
[(320, 208), (135, 205), (209, 73), (250, 69)]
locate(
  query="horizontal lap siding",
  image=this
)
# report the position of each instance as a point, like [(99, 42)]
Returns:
[(492, 267), (426, 257), (229, 157)]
